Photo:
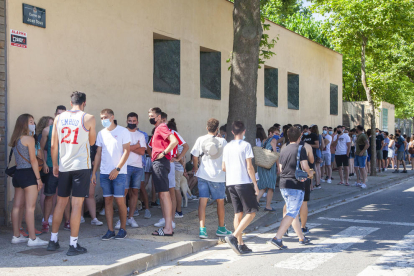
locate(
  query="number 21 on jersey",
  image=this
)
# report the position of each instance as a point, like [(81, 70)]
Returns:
[(67, 138)]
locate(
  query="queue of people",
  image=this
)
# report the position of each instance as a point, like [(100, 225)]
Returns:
[(60, 158)]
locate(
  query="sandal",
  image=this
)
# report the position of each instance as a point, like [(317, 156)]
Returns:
[(270, 210), (340, 183), (347, 184), (160, 232)]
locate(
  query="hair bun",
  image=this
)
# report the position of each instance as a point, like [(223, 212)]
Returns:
[(172, 120)]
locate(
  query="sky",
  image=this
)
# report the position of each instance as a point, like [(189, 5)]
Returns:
[(317, 16)]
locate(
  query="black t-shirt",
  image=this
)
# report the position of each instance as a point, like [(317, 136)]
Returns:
[(378, 140), (288, 161), (311, 139)]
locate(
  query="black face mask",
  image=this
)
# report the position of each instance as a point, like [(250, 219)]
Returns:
[(132, 126), (339, 132), (152, 121)]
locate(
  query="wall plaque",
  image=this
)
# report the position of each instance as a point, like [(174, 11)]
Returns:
[(34, 16)]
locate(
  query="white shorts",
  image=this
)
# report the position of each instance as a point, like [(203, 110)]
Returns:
[(171, 175)]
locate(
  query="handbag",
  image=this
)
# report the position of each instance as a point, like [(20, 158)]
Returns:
[(300, 175), (265, 158), (10, 171)]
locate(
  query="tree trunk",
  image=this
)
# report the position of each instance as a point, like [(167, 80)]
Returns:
[(372, 104), (244, 67)]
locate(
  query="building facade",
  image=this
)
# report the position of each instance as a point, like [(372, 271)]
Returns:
[(132, 55)]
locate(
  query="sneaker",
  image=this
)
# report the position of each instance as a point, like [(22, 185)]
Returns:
[(154, 204), (264, 195), (139, 208), (305, 231), (23, 233), (356, 184), (329, 181), (122, 234), (82, 219), (383, 169), (305, 241), (160, 223), (102, 212), (404, 171), (45, 227), (323, 180), (317, 187), (396, 171), (326, 178), (173, 225), (278, 244), (96, 222), (222, 231), (243, 249), (19, 239), (118, 225), (286, 234), (203, 233), (50, 220), (109, 235), (232, 242), (136, 213), (179, 214), (147, 214), (37, 242), (363, 186), (73, 251), (53, 246), (131, 222), (67, 226)]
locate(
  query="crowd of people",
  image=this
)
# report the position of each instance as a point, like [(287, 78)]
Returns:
[(60, 157)]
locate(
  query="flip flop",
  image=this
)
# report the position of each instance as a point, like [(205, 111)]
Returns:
[(346, 184), (340, 183), (270, 210), (160, 232)]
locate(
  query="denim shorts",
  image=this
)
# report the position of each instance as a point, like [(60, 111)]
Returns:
[(115, 188), (332, 158), (293, 199), (134, 177), (217, 190), (360, 161)]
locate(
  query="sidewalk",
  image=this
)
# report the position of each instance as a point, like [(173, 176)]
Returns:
[(141, 250)]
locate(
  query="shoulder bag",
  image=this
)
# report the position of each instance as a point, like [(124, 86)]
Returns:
[(10, 171), (300, 175), (265, 158), (39, 161)]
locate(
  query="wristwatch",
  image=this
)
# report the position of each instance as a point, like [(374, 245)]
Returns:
[(164, 153), (118, 169)]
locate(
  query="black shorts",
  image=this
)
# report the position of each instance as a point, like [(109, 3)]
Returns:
[(76, 182), (341, 160), (160, 171), (385, 154), (243, 198), (50, 182), (307, 190), (24, 178)]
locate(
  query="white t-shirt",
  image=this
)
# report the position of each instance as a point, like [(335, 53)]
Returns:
[(328, 146), (234, 157), (210, 169), (341, 147), (111, 143), (135, 159)]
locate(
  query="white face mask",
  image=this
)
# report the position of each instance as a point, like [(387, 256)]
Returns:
[(32, 128)]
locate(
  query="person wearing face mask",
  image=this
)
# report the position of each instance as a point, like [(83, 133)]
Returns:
[(26, 180), (326, 154), (112, 156), (352, 135), (385, 151), (401, 144), (361, 147), (342, 144), (379, 146), (73, 133), (162, 143), (332, 132), (223, 131)]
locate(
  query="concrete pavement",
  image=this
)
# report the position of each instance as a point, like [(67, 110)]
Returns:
[(141, 251)]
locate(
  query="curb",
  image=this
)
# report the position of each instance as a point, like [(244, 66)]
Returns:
[(142, 261)]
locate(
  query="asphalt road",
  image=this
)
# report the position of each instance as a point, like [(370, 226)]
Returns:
[(372, 235)]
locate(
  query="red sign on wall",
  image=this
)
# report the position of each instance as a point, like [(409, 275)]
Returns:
[(18, 39)]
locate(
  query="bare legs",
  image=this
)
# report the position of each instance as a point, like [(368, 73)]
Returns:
[(109, 211), (202, 204), (166, 204), (24, 197), (240, 224)]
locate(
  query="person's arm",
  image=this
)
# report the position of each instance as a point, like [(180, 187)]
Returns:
[(223, 166), (334, 143), (348, 146), (114, 173), (252, 174), (137, 148), (273, 143), (90, 124), (365, 148), (54, 148), (97, 164), (182, 154), (45, 134), (30, 143), (305, 167), (309, 153), (315, 144), (171, 146)]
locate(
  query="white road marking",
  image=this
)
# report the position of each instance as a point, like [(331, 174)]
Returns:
[(326, 249), (409, 190), (369, 221), (398, 261)]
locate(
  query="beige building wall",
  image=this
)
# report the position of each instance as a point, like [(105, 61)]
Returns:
[(105, 48)]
